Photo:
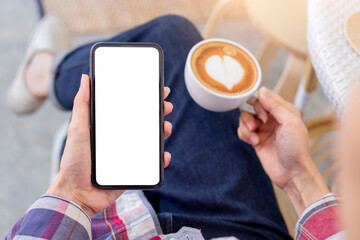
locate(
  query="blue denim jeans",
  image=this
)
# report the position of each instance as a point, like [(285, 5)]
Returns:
[(215, 181)]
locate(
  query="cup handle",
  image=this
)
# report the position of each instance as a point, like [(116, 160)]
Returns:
[(247, 107)]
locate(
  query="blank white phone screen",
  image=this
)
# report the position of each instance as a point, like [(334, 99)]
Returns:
[(127, 115)]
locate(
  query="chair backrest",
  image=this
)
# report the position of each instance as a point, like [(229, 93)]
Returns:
[(282, 20)]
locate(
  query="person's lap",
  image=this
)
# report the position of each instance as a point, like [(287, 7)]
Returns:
[(215, 181)]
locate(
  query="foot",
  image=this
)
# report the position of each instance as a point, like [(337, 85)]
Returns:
[(37, 74), (29, 88)]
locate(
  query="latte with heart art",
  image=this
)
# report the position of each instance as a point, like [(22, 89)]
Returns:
[(224, 68)]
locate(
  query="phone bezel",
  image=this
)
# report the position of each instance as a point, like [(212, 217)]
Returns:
[(92, 115)]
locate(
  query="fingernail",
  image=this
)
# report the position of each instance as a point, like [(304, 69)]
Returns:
[(169, 90), (262, 117), (249, 126), (266, 92), (82, 79), (253, 140)]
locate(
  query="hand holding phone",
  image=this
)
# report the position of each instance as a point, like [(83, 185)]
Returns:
[(73, 182)]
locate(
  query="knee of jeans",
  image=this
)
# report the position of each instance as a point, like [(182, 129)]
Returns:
[(175, 23)]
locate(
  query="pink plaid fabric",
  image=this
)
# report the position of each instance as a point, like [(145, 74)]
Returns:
[(132, 217)]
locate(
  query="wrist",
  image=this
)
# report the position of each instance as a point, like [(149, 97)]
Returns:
[(58, 188), (305, 188)]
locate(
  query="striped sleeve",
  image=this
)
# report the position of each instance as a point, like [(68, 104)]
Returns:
[(320, 220), (51, 217)]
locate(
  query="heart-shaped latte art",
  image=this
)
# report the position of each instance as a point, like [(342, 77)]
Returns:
[(225, 70)]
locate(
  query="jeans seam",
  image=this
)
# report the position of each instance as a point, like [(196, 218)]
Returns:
[(169, 225), (165, 219)]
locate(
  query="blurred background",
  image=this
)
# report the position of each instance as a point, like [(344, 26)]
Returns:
[(26, 142)]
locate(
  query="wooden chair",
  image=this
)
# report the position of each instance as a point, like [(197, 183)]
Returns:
[(284, 26), (283, 23)]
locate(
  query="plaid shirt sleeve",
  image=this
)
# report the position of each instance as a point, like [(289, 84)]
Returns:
[(52, 217), (321, 220)]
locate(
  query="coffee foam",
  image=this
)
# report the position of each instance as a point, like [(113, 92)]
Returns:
[(224, 68)]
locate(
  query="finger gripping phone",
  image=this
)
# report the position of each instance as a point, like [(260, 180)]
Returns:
[(126, 116)]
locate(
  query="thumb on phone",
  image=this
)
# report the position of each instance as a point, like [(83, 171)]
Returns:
[(80, 116)]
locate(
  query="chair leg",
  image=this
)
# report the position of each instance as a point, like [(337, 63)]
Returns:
[(319, 125), (307, 86), (217, 15), (286, 209), (290, 78), (310, 77), (266, 53)]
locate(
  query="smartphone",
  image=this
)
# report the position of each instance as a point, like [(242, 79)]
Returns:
[(126, 116)]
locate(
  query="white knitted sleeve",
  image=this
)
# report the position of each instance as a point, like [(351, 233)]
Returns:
[(336, 65)]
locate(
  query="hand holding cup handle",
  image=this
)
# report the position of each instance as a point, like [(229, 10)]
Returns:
[(281, 141), (270, 124)]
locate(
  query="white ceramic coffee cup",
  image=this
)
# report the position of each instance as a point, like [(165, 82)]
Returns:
[(214, 101)]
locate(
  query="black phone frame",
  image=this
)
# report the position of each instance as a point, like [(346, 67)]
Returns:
[(92, 115)]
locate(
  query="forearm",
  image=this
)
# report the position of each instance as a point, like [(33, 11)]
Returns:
[(317, 208), (305, 188)]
